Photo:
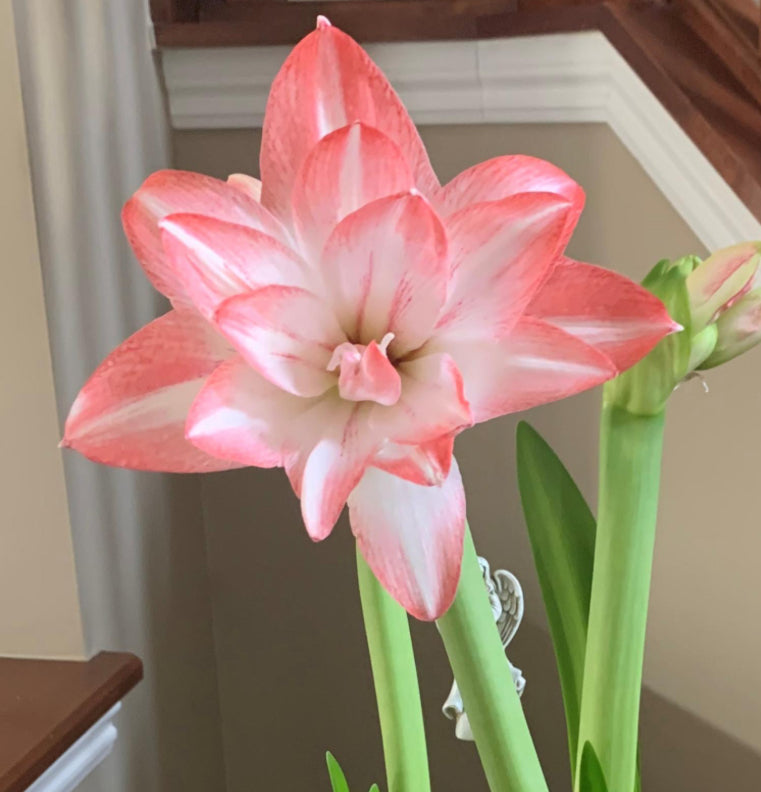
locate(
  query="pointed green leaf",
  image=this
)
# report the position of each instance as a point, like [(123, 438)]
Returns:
[(337, 777), (638, 777), (591, 776), (562, 533), (374, 788)]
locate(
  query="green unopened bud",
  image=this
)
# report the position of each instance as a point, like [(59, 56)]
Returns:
[(645, 388), (718, 304), (703, 344)]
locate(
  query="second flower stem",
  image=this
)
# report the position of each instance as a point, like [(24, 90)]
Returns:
[(483, 675), (396, 685), (630, 465)]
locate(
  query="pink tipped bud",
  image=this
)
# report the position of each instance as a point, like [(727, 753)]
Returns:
[(739, 329), (719, 281)]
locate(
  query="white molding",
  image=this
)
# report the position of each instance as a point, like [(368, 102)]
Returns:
[(570, 77), (72, 767)]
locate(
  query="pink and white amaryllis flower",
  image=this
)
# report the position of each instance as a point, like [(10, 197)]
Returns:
[(347, 317)]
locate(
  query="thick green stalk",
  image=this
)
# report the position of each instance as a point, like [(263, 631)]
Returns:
[(630, 468), (396, 685), (480, 667)]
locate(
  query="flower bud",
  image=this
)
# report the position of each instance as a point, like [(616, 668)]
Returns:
[(725, 301), (702, 346), (738, 329), (716, 283), (645, 388), (717, 302)]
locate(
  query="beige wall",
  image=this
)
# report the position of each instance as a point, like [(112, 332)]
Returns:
[(277, 682), (39, 607)]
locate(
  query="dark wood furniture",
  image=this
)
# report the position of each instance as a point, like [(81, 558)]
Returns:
[(47, 705)]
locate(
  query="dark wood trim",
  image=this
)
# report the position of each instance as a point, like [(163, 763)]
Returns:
[(202, 23), (174, 11), (727, 37), (268, 22), (47, 705)]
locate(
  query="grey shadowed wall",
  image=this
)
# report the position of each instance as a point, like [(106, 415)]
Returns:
[(293, 672)]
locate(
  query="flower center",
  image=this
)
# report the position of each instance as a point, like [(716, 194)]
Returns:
[(366, 373)]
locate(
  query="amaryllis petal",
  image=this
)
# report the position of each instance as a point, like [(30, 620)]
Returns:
[(604, 309), (502, 177), (247, 184), (500, 253), (426, 464), (333, 469), (169, 192), (537, 363), (346, 170), (385, 268), (432, 403), (131, 412), (240, 415), (720, 279), (286, 333), (411, 537), (327, 82), (213, 260)]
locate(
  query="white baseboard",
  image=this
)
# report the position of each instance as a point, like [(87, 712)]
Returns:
[(70, 769)]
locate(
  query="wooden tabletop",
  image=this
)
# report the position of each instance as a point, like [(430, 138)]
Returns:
[(47, 705)]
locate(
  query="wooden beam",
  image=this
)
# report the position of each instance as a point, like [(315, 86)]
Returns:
[(724, 37), (174, 11), (268, 22)]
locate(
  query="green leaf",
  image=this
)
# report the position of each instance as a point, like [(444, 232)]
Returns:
[(592, 778), (337, 777), (374, 788), (638, 777), (562, 532)]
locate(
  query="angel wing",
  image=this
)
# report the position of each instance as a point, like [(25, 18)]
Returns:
[(506, 599), (510, 595)]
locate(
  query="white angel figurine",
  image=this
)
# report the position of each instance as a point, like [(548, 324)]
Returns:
[(506, 598)]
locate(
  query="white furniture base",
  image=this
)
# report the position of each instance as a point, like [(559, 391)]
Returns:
[(70, 769)]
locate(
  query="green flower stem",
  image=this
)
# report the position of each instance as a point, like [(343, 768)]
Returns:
[(396, 685), (480, 667), (630, 468)]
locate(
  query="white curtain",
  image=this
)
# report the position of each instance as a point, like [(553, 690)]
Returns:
[(97, 128)]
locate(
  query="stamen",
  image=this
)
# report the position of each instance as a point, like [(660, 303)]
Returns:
[(385, 341), (347, 349)]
